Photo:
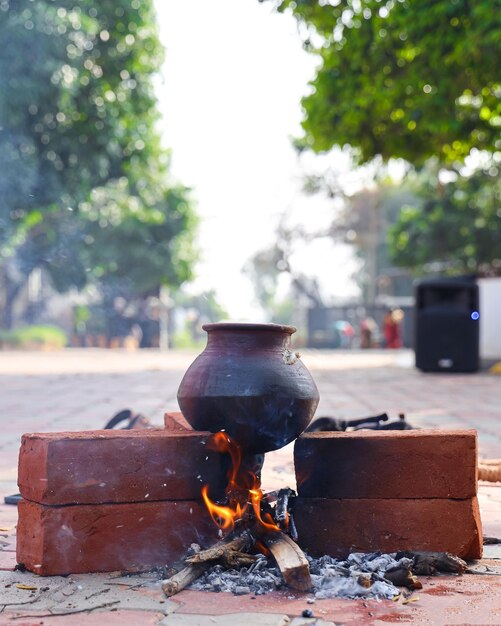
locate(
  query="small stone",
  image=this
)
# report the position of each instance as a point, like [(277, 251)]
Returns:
[(307, 613), (241, 590)]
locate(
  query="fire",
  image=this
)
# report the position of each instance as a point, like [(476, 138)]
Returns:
[(243, 491)]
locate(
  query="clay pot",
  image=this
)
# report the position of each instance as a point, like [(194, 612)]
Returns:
[(250, 383)]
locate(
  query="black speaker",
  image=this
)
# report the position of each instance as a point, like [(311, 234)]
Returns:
[(446, 336)]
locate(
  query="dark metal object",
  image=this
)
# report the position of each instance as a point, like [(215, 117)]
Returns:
[(490, 541), (373, 423), (132, 421), (14, 499), (334, 424), (401, 424), (250, 383)]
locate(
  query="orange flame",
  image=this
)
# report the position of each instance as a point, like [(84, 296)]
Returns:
[(243, 490)]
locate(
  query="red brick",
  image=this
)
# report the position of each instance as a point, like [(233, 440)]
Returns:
[(338, 527), (107, 537), (117, 466), (175, 420), (387, 464)]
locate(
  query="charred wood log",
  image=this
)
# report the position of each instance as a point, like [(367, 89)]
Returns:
[(429, 563), (184, 578), (228, 552), (282, 514), (402, 577)]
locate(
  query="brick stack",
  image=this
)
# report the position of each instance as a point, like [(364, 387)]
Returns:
[(113, 500), (366, 491), (130, 500)]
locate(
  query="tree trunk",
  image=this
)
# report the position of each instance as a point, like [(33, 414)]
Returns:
[(10, 291)]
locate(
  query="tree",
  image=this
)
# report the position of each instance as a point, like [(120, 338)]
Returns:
[(363, 223), (418, 80), (195, 310), (452, 227), (268, 266), (402, 78), (85, 191)]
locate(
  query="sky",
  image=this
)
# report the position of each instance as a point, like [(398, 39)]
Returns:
[(230, 96)]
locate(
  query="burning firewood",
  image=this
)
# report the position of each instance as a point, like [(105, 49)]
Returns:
[(283, 516), (229, 552), (245, 507), (290, 560), (282, 507)]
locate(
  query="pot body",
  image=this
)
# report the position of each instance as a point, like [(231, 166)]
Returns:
[(249, 383)]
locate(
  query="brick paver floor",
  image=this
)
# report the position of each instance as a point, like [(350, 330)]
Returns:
[(82, 389)]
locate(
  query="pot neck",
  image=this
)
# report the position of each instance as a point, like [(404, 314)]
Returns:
[(238, 340)]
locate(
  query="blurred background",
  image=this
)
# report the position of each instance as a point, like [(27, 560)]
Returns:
[(166, 164)]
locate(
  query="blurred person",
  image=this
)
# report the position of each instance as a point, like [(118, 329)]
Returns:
[(346, 333), (368, 333), (391, 328)]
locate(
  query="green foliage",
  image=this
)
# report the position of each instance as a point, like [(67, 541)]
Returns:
[(196, 310), (453, 227), (34, 336), (77, 94), (264, 269), (283, 311), (184, 340), (402, 78), (135, 242), (85, 182), (203, 307), (363, 223), (268, 268)]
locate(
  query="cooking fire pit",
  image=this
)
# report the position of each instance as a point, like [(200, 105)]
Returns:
[(147, 495)]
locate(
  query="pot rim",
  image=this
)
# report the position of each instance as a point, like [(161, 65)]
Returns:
[(249, 326)]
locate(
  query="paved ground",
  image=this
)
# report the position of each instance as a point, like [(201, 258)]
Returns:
[(81, 389)]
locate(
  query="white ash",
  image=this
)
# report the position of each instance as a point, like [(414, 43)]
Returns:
[(331, 578), (258, 578)]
